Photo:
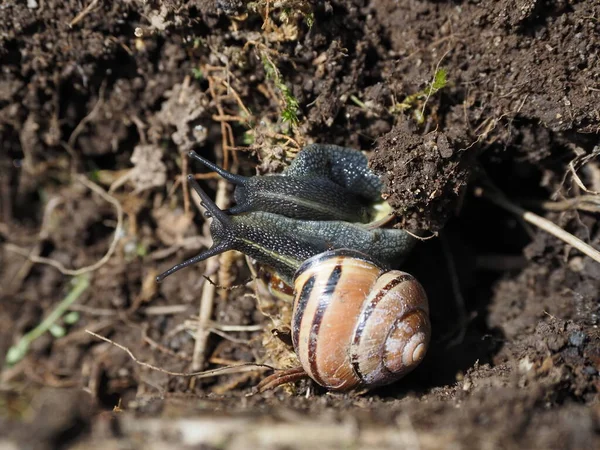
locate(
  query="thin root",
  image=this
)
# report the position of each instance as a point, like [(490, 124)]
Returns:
[(113, 245), (239, 368), (539, 222), (279, 378)]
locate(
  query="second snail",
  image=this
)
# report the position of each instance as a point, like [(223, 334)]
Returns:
[(356, 323)]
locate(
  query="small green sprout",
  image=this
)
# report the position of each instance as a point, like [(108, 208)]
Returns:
[(309, 19), (18, 351), (71, 318), (439, 82), (248, 138), (197, 73), (290, 111), (57, 330)]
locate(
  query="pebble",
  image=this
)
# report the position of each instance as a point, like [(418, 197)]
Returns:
[(577, 338)]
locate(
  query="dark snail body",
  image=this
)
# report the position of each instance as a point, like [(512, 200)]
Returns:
[(355, 322), (283, 243), (344, 166)]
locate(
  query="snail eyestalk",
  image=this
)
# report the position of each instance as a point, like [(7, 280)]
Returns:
[(213, 251), (238, 180), (218, 216), (207, 202)]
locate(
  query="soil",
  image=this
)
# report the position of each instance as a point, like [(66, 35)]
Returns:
[(118, 92)]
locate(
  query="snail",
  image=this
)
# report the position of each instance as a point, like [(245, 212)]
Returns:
[(355, 324)]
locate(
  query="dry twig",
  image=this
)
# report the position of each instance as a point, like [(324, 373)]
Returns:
[(459, 300), (577, 163), (588, 203), (79, 17), (243, 367), (113, 245), (540, 222), (208, 294)]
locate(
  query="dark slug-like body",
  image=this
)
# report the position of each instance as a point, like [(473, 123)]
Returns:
[(283, 243)]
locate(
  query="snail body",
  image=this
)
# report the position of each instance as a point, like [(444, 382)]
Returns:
[(355, 322)]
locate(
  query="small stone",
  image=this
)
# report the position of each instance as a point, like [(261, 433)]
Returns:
[(576, 264), (525, 365), (577, 338)]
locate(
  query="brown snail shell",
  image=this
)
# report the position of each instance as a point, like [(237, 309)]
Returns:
[(356, 324)]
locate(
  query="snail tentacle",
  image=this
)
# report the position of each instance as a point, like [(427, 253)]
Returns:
[(238, 180)]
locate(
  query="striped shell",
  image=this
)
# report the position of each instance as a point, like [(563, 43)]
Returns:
[(355, 324)]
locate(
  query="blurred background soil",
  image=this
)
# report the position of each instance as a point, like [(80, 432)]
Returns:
[(100, 102)]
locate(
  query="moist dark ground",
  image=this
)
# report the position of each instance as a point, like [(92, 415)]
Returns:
[(516, 347)]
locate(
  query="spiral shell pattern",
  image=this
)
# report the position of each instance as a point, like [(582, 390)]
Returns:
[(354, 323)]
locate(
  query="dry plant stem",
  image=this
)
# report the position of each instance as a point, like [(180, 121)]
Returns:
[(17, 280), (577, 163), (212, 265), (79, 128), (228, 337), (281, 377), (79, 17), (223, 327), (265, 25), (225, 273), (121, 181), (456, 290), (244, 367), (227, 118), (589, 203), (113, 245), (164, 310), (541, 223), (221, 361), (185, 187), (225, 133), (238, 99), (208, 294)]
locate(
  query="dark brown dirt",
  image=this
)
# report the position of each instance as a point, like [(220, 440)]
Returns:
[(120, 93)]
